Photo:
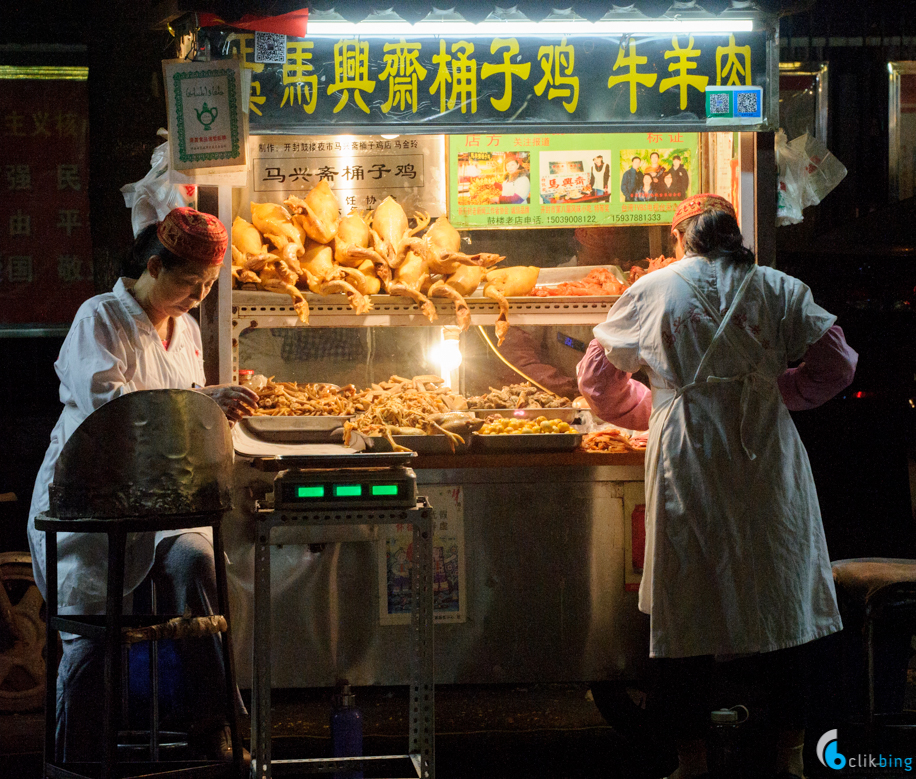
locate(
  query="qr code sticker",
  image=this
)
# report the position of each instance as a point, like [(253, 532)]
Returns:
[(270, 47), (746, 103), (719, 103)]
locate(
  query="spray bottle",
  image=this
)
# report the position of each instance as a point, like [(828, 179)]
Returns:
[(346, 728)]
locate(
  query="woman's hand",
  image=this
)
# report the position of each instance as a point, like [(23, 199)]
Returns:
[(235, 401)]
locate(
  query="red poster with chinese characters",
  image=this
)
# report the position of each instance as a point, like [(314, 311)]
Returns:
[(45, 247)]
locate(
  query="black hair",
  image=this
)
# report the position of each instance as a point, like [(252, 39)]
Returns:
[(656, 154), (676, 157), (637, 157), (146, 245), (714, 232)]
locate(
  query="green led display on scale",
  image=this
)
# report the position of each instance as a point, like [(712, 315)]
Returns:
[(310, 492), (348, 490)]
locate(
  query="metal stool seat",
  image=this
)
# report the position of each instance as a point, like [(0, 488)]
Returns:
[(166, 465), (874, 592)]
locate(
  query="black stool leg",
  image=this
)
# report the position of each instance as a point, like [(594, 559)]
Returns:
[(222, 597), (153, 685), (51, 651), (117, 542)]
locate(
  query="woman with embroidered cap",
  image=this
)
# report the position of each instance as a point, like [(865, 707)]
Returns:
[(736, 561), (139, 337)]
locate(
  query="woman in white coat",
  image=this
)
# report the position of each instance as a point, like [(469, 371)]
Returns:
[(138, 337), (736, 560)]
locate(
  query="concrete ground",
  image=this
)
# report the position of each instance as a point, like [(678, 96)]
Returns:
[(510, 732), (536, 731)]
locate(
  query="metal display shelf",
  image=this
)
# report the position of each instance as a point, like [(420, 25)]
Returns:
[(273, 309), (421, 718)]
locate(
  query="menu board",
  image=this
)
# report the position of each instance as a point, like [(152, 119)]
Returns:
[(569, 180)]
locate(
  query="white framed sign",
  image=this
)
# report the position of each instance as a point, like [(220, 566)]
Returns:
[(205, 110), (395, 561)]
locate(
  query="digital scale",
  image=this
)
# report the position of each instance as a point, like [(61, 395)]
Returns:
[(318, 487), (350, 488)]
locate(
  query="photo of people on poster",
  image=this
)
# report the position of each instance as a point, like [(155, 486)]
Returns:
[(575, 176), (516, 185), (494, 178), (654, 175), (600, 175)]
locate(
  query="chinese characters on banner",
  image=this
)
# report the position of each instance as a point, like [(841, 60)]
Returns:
[(440, 82), (569, 180), (361, 170), (45, 246)]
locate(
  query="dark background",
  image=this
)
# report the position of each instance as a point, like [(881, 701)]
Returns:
[(856, 251)]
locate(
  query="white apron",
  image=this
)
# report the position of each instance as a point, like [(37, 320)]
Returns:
[(736, 560)]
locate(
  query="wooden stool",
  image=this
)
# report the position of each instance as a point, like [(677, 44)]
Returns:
[(874, 592), (116, 629)]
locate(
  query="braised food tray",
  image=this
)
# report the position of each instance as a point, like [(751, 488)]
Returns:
[(526, 442), (567, 415), (421, 444)]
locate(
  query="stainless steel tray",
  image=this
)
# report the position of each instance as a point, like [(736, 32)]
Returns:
[(520, 442), (296, 430), (565, 414)]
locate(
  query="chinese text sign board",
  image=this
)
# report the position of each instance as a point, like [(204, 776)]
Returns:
[(206, 122), (539, 82), (361, 170), (45, 243), (586, 179)]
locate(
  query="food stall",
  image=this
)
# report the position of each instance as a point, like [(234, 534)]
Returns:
[(508, 145)]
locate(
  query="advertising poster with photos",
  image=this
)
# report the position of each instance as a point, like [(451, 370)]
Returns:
[(570, 180)]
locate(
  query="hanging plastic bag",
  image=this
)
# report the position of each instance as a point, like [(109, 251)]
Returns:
[(822, 171), (151, 198), (790, 166)]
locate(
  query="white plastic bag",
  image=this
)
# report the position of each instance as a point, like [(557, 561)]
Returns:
[(807, 172), (151, 198), (789, 183), (822, 171)]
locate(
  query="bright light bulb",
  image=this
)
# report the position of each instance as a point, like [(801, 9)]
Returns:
[(447, 355), (450, 355)]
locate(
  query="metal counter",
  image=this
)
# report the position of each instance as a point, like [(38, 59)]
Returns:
[(544, 584)]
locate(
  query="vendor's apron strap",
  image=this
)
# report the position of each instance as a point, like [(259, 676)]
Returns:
[(751, 380)]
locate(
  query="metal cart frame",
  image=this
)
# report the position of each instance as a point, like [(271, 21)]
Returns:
[(421, 750)]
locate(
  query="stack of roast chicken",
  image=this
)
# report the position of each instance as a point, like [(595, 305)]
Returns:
[(305, 245)]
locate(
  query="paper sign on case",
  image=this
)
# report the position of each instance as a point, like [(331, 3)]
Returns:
[(206, 125)]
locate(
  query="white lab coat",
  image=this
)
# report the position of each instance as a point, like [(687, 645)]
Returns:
[(736, 560), (112, 349)]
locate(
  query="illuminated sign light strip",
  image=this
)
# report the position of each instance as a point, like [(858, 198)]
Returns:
[(384, 489), (43, 73), (517, 29)]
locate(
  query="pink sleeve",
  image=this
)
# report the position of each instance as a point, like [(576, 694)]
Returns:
[(829, 367), (611, 393)]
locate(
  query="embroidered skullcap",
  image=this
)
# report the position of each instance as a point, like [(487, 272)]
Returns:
[(194, 236), (695, 204)]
